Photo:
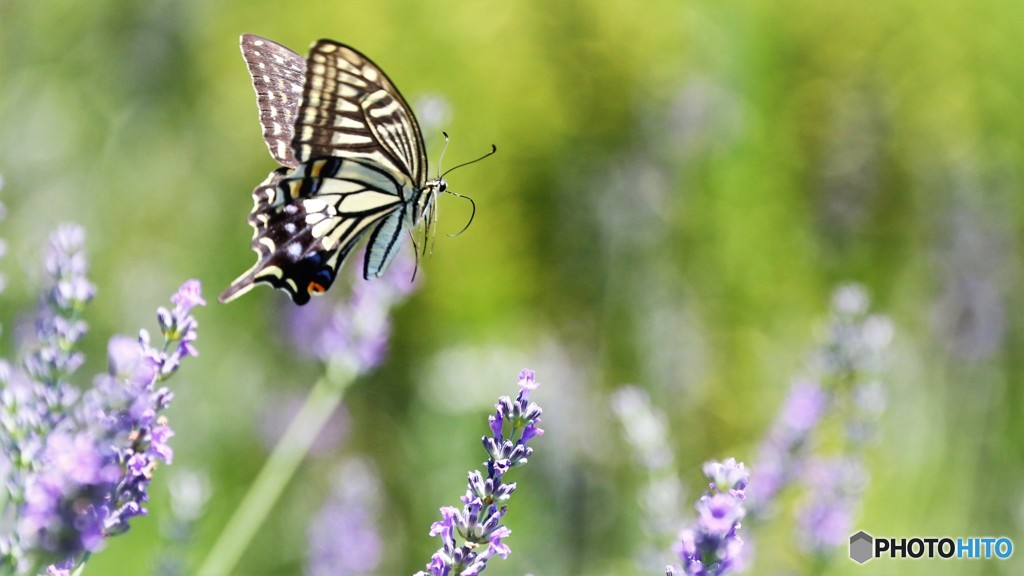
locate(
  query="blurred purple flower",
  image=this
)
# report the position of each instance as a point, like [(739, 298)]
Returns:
[(784, 447), (841, 384), (712, 546), (58, 327), (79, 468), (353, 333), (35, 400), (343, 537), (825, 517), (478, 523)]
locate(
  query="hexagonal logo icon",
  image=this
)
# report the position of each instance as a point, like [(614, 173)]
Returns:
[(861, 547)]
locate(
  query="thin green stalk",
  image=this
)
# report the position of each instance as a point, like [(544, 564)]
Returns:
[(322, 401)]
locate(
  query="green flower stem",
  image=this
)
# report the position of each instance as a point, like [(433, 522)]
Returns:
[(322, 401)]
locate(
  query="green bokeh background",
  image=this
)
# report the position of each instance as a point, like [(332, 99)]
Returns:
[(679, 187)]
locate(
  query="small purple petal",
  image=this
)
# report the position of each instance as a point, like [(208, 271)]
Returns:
[(188, 296)]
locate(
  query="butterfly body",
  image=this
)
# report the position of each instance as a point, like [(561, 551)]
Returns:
[(353, 164)]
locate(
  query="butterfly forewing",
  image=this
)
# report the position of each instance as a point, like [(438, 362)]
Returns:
[(351, 109), (278, 76)]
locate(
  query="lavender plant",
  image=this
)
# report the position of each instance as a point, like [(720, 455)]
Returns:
[(712, 546), (78, 467), (478, 524), (840, 388)]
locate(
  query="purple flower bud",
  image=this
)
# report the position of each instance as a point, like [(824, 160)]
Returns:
[(188, 297), (496, 546), (530, 432), (527, 381), (726, 475), (496, 422)]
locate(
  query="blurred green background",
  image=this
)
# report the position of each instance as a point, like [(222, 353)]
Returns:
[(678, 188)]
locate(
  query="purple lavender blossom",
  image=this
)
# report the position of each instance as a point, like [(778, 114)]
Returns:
[(353, 333), (712, 546), (126, 403), (478, 523), (79, 468), (343, 537)]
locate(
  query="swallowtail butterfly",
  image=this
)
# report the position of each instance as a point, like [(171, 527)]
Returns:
[(353, 163)]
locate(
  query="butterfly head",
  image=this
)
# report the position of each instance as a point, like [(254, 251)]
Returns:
[(428, 197)]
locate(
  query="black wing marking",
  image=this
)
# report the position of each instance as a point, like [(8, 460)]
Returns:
[(278, 76), (306, 223)]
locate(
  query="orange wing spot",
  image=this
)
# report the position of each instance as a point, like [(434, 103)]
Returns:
[(316, 288)]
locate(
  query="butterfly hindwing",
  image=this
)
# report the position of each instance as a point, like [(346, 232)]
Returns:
[(384, 243), (306, 222)]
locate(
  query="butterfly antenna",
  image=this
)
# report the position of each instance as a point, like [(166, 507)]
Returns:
[(441, 159), (493, 150), (471, 215)]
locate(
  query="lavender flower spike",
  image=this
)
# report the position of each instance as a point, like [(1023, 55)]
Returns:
[(712, 546), (95, 469), (35, 396), (478, 523)]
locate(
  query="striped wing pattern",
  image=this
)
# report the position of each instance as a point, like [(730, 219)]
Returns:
[(278, 76), (355, 164), (351, 109)]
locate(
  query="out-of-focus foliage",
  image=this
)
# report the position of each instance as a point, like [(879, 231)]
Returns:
[(678, 188)]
